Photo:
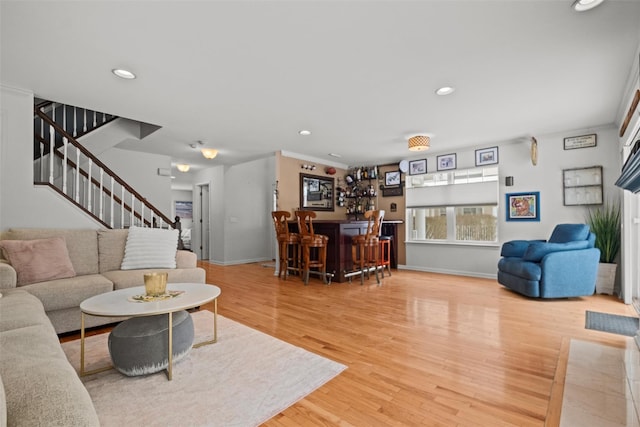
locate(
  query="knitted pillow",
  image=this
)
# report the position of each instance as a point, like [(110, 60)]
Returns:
[(150, 248), (38, 260)]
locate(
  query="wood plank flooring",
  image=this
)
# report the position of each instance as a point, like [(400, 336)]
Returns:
[(421, 348)]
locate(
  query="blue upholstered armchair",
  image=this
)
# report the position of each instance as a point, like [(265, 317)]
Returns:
[(564, 266)]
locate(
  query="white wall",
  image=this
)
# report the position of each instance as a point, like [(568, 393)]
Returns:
[(140, 171), (546, 178), (21, 203), (249, 201), (241, 199)]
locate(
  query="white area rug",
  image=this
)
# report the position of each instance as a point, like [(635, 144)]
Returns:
[(244, 379)]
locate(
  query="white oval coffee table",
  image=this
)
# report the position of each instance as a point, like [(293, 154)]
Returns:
[(119, 304)]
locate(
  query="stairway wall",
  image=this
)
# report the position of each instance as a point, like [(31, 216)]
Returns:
[(21, 203)]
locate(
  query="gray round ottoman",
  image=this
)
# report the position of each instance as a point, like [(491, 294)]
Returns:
[(140, 345)]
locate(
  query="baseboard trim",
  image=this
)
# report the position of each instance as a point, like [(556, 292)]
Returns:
[(445, 271)]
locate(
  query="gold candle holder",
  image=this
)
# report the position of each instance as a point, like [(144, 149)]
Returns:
[(155, 284)]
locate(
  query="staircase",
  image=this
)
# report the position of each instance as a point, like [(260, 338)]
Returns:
[(63, 164)]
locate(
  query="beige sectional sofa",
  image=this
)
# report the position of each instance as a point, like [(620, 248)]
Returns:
[(96, 256), (38, 386)]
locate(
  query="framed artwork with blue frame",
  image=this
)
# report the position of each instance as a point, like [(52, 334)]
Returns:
[(523, 206)]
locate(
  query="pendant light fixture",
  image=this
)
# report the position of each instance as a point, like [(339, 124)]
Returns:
[(419, 143)]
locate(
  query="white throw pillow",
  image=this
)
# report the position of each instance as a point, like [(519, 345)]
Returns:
[(150, 248)]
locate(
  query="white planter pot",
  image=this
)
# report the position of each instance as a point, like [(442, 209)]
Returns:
[(606, 278)]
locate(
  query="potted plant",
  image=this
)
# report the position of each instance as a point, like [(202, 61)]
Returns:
[(604, 222)]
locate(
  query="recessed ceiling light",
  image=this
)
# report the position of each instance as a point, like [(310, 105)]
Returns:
[(445, 90), (123, 74), (305, 132), (335, 155), (583, 5)]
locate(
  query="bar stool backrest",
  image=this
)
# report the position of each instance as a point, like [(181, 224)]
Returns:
[(280, 222), (374, 226), (305, 223)]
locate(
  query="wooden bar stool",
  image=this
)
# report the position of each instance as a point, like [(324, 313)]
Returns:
[(311, 242), (365, 247), (288, 244)]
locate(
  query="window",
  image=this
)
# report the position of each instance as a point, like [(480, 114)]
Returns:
[(457, 206), (479, 224)]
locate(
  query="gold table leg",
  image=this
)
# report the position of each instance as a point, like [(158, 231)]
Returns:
[(215, 327), (82, 337), (170, 365)]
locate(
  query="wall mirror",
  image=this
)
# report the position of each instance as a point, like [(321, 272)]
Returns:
[(316, 193)]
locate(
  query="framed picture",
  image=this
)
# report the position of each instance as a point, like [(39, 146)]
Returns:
[(418, 167), (523, 206), (582, 141), (314, 185), (184, 209), (446, 162), (392, 178), (487, 156)]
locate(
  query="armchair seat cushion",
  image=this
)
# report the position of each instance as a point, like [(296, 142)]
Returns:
[(519, 268)]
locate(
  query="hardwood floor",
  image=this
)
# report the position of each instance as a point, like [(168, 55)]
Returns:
[(421, 349)]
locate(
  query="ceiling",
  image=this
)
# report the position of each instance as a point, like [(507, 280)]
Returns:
[(245, 76)]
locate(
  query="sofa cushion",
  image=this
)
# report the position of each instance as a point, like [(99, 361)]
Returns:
[(150, 248), (111, 245), (129, 278), (82, 245), (38, 260), (519, 268), (536, 251), (41, 387), (563, 233), (67, 293), (20, 309)]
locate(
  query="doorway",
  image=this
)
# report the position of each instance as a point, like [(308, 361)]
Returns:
[(202, 222)]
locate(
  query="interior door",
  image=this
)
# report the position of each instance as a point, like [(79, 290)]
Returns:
[(203, 221)]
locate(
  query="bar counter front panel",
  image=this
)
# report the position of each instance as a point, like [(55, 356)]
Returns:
[(340, 233)]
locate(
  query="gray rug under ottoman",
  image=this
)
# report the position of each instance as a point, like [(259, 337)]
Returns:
[(140, 345)]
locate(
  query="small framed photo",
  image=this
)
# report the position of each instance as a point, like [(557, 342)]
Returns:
[(582, 141), (523, 206), (487, 156), (392, 178), (418, 167), (314, 185), (446, 162)]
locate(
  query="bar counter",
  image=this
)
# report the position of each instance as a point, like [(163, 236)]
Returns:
[(339, 247)]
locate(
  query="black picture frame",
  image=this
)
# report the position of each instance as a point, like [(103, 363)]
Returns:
[(418, 167), (447, 162), (392, 192), (582, 141), (487, 156), (392, 178)]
